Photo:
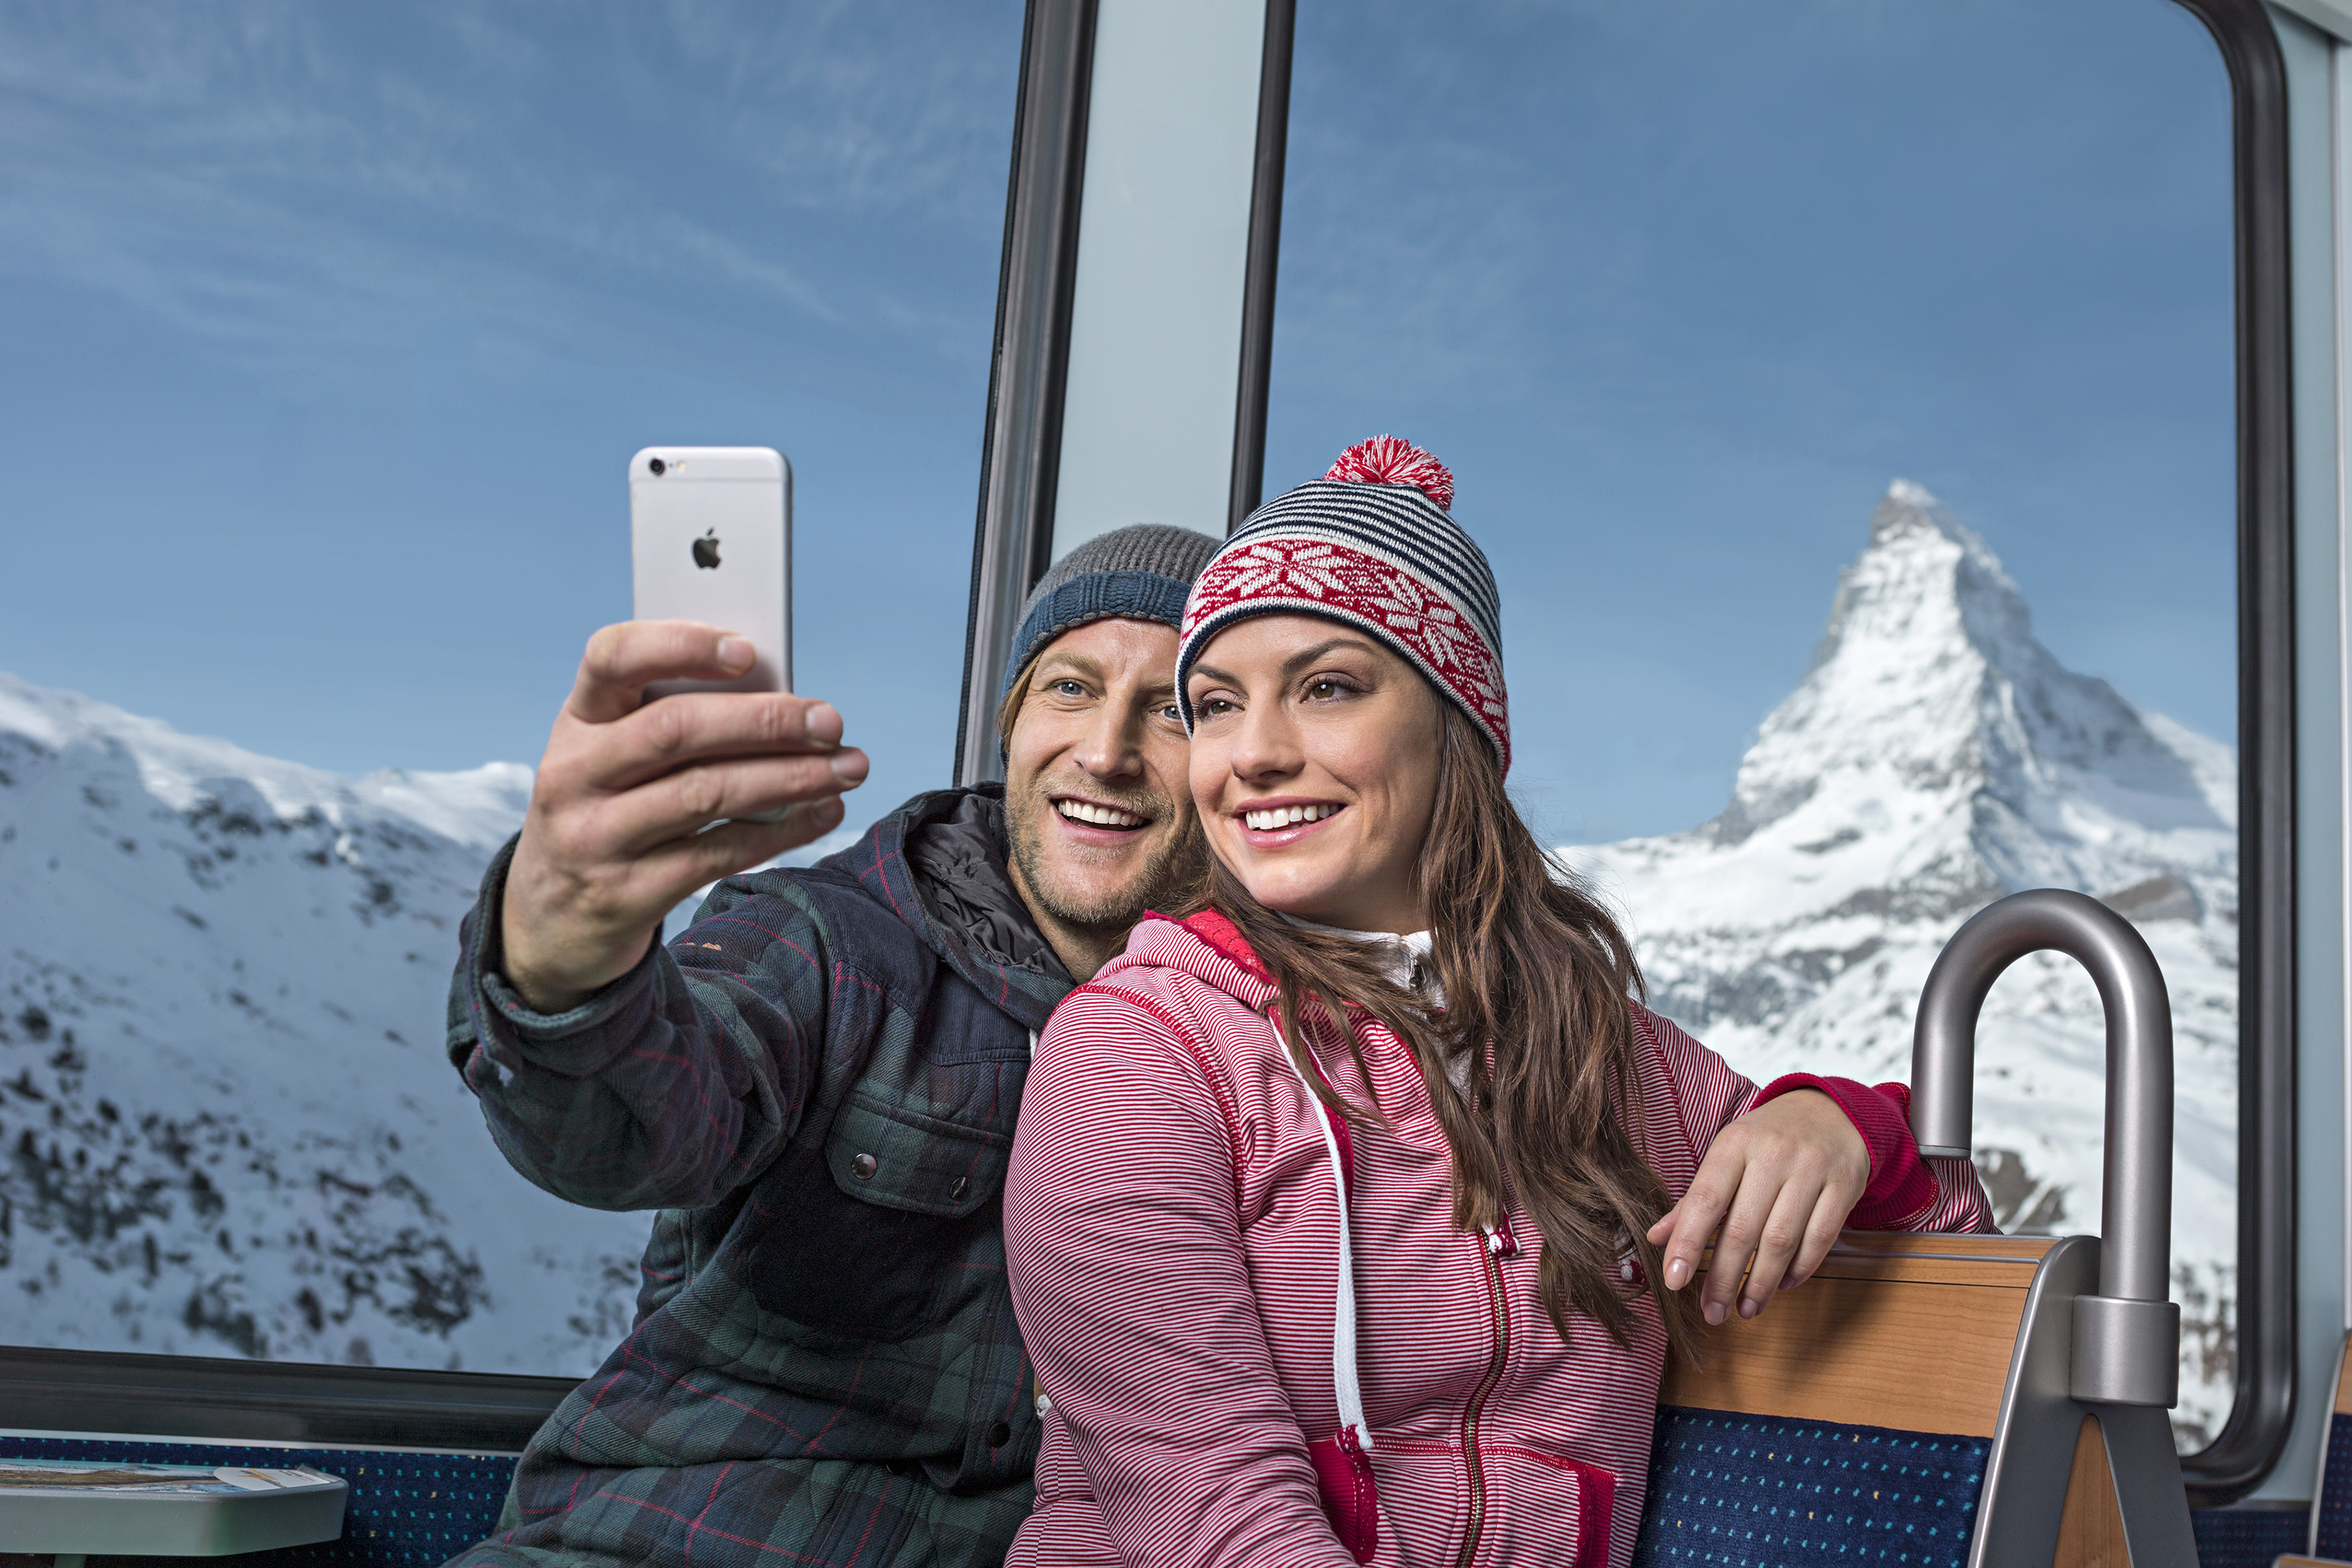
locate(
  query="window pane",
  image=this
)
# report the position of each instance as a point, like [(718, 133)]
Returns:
[(330, 331), (1910, 320)]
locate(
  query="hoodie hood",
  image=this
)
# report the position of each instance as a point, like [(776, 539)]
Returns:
[(1209, 948), (1204, 946), (939, 864)]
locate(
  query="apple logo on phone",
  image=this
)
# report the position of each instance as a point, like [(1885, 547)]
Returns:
[(706, 549)]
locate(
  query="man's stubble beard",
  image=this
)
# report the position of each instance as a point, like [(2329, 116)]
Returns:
[(1170, 870)]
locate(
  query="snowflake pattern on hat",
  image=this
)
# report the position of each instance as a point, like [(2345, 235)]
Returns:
[(1266, 570)]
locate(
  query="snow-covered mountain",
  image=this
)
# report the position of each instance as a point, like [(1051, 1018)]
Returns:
[(227, 1126), (1936, 757)]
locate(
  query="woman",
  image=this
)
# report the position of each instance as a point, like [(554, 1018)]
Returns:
[(1335, 1209)]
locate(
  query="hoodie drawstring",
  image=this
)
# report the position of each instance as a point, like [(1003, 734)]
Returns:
[(1350, 1394)]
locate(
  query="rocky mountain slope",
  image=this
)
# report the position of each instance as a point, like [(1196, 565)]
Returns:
[(1935, 757), (226, 1122)]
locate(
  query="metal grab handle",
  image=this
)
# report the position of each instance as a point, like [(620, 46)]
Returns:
[(2127, 1337)]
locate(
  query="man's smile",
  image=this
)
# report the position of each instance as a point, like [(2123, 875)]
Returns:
[(1083, 813)]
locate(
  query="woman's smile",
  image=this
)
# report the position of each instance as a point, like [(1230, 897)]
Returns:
[(1275, 822)]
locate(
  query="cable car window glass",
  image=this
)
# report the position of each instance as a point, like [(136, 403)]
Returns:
[(331, 332), (1843, 394)]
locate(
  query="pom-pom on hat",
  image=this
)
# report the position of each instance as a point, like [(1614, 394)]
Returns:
[(1371, 545), (1394, 461)]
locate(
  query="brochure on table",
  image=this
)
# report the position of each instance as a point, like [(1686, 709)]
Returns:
[(47, 1476)]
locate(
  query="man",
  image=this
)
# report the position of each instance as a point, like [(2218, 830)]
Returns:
[(816, 1084)]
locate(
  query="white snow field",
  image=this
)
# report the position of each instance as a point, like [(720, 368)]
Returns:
[(227, 1126), (1936, 757)]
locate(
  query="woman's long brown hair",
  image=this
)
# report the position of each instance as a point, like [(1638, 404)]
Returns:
[(1533, 963)]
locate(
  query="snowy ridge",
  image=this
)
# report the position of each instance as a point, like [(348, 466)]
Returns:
[(478, 808), (1936, 757), (226, 1122)]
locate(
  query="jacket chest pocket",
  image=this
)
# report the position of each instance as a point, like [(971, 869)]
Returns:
[(907, 1162), (893, 1230)]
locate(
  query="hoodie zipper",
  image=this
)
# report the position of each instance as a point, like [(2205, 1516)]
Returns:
[(1498, 1309)]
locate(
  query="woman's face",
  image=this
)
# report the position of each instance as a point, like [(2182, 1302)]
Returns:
[(1315, 757)]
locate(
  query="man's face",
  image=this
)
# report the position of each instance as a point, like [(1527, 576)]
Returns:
[(1096, 802)]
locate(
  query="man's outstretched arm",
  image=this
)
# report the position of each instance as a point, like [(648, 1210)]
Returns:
[(610, 1074)]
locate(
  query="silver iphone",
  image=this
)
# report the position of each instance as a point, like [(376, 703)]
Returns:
[(711, 538)]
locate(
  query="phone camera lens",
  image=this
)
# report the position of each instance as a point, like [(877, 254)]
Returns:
[(658, 467)]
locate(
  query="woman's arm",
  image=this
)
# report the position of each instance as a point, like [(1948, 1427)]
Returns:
[(1123, 1239), (1787, 1167)]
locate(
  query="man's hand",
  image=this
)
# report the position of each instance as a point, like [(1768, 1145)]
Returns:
[(615, 833), (1780, 1181)]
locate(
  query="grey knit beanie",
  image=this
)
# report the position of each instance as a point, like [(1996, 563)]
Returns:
[(1143, 572)]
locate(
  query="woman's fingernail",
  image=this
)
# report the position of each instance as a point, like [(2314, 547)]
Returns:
[(1676, 1272), (1747, 1308), (1714, 1314), (735, 653)]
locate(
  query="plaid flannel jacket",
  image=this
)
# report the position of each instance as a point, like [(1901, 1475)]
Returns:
[(816, 1085)]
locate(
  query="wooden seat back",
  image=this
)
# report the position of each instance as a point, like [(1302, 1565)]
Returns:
[(1900, 1348)]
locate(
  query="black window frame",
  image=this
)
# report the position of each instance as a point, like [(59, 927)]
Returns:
[(70, 1391), (2262, 1414), (1017, 525)]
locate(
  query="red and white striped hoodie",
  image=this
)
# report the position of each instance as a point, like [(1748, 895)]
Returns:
[(1173, 1230)]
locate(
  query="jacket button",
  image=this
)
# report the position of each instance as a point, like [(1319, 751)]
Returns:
[(957, 1188), (861, 1167), (1000, 1434)]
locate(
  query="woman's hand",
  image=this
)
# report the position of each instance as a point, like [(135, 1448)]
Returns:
[(1780, 1181)]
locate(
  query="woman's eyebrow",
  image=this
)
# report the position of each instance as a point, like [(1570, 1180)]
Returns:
[(1305, 656), (1290, 666)]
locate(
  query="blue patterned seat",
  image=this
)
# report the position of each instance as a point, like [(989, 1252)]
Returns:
[(1758, 1492)]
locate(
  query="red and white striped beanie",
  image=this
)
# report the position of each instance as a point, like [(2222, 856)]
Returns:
[(1371, 545)]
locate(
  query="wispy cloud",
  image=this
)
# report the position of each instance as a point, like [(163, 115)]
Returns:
[(291, 178)]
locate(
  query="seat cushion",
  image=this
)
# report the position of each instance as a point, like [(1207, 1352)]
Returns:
[(1766, 1490)]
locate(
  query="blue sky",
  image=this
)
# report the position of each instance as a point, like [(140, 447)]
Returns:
[(1677, 287), (330, 329)]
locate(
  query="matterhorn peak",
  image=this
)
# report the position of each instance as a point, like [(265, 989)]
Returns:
[(1907, 507), (1928, 580), (1935, 757), (1928, 683)]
